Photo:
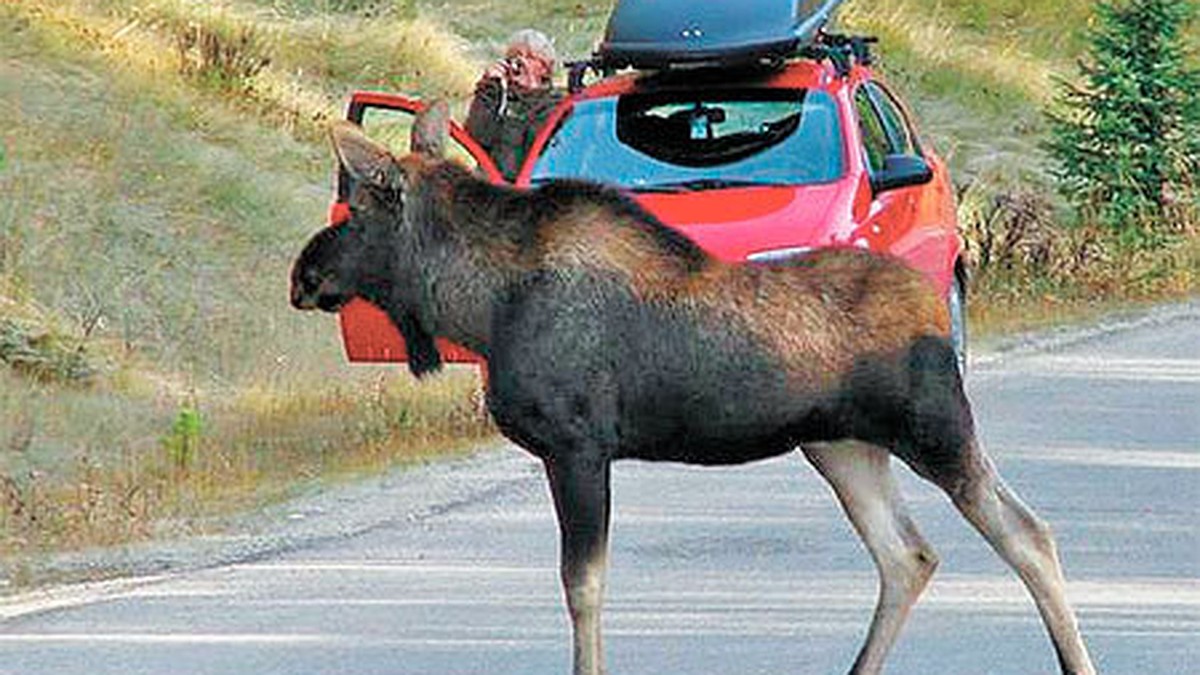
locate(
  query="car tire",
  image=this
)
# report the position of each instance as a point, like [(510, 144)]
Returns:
[(956, 302)]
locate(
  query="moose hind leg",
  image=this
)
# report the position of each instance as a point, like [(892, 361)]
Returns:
[(580, 487), (1026, 543), (940, 444), (861, 477)]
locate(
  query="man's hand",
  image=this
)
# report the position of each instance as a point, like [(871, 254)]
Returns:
[(497, 71)]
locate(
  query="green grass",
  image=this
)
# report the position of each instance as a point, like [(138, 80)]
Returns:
[(159, 219), (575, 26)]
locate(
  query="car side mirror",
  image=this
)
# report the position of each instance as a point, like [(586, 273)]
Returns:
[(902, 171)]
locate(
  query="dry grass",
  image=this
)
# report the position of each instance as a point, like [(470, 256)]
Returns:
[(1030, 269), (248, 449), (149, 223), (293, 71), (976, 94), (933, 38), (574, 25)]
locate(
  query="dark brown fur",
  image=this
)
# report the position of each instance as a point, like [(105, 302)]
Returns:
[(608, 335)]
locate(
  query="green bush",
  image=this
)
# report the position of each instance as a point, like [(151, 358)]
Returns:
[(1126, 138), (183, 440)]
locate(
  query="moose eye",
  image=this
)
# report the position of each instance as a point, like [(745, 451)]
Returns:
[(311, 277)]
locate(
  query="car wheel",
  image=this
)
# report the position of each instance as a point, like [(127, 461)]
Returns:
[(957, 304)]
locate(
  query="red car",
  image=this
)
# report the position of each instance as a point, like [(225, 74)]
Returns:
[(754, 164)]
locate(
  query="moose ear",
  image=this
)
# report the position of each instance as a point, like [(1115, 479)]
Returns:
[(429, 130), (365, 159)]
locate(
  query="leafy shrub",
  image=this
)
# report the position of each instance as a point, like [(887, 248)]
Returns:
[(1017, 249), (183, 440), (1126, 140), (1006, 229)]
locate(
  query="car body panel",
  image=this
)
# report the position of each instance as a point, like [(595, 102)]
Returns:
[(735, 224), (917, 223)]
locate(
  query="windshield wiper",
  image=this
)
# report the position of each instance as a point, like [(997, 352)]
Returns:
[(701, 184)]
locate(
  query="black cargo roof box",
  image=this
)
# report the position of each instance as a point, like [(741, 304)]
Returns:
[(658, 34)]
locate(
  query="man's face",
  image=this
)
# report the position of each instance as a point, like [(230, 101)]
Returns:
[(526, 68)]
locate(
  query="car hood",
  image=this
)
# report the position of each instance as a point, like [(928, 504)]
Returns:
[(736, 223)]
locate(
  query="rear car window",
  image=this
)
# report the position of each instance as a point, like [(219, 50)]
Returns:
[(697, 139)]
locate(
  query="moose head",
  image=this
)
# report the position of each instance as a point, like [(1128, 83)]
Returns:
[(370, 255)]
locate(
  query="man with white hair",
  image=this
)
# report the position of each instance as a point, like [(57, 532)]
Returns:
[(513, 99)]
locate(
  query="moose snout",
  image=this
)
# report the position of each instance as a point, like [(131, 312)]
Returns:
[(317, 281), (303, 291), (311, 290), (301, 300)]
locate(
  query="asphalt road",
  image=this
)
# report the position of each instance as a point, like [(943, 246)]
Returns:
[(737, 570)]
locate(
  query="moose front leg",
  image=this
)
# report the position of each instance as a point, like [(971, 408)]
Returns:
[(580, 486)]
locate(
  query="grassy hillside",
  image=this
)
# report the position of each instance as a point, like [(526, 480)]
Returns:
[(154, 192), (156, 375)]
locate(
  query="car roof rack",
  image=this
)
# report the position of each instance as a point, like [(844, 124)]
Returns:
[(842, 51)]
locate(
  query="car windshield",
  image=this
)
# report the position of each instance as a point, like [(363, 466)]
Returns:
[(698, 140)]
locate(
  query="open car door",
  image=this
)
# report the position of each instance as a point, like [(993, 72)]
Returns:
[(368, 336)]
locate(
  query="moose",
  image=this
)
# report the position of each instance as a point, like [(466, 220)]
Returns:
[(607, 335)]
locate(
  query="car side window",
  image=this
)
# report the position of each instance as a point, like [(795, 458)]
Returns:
[(901, 138), (876, 144)]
